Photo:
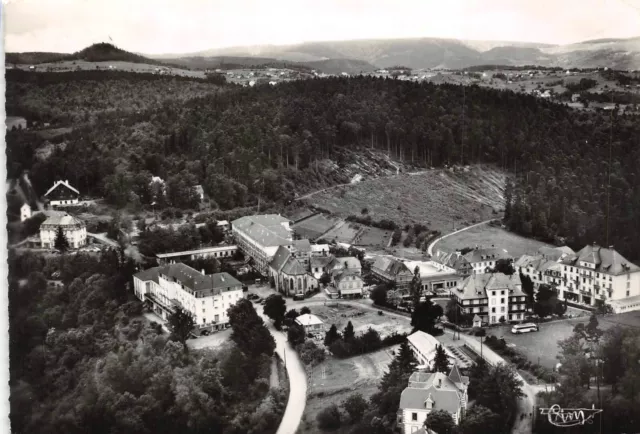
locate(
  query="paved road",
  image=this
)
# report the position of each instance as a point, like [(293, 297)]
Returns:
[(297, 380), (433, 243), (103, 238)]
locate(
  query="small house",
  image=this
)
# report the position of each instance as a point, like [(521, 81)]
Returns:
[(25, 212), (311, 323)]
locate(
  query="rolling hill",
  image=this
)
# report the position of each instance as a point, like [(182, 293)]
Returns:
[(448, 53)]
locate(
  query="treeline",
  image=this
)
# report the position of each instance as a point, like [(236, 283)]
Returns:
[(348, 344), (273, 139), (83, 360)]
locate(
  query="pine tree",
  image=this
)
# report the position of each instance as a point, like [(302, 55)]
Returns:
[(61, 243), (331, 336), (441, 361), (349, 334), (416, 287)]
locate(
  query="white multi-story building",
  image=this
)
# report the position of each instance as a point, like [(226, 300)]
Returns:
[(492, 296), (206, 297), (259, 237), (74, 230), (427, 392), (484, 259), (589, 277)]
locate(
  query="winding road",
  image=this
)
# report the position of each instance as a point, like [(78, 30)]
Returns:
[(433, 243), (297, 380)]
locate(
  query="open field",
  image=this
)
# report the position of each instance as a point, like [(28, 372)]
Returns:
[(486, 236), (315, 226), (73, 65), (299, 213), (344, 233), (340, 315), (342, 378), (437, 198), (373, 237)]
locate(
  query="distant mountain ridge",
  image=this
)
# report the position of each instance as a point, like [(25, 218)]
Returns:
[(447, 53), (366, 55)]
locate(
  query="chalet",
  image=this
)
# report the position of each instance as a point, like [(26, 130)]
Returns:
[(62, 194)]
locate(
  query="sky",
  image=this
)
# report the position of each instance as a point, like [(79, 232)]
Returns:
[(185, 26)]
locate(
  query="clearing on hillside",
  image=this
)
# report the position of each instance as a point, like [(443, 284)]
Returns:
[(488, 235), (438, 198), (314, 226)]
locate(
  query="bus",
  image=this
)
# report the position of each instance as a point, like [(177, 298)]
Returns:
[(524, 328)]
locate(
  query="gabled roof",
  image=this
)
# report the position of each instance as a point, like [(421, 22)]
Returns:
[(64, 184), (456, 377), (525, 261), (476, 285), (293, 267), (302, 245), (436, 386), (320, 261), (452, 260), (341, 274), (349, 261), (62, 220), (205, 285), (555, 253), (391, 265), (605, 260), (280, 258), (486, 254)]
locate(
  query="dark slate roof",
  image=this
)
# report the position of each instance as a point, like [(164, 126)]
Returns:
[(606, 261), (438, 387), (486, 254), (194, 281), (320, 261), (456, 377), (476, 285), (391, 266), (280, 258), (292, 267), (302, 245), (341, 274), (150, 274)]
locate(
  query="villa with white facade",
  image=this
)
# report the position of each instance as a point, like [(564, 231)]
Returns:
[(74, 230), (205, 297), (492, 296), (427, 392)]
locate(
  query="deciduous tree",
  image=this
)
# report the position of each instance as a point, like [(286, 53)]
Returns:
[(181, 324)]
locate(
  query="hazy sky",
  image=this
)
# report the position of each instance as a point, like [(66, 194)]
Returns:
[(180, 26)]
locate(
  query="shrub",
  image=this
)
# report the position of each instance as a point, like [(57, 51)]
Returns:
[(329, 418)]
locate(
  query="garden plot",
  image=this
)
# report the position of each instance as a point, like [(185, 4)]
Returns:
[(340, 315), (315, 226), (343, 233)]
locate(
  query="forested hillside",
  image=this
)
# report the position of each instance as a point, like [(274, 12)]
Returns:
[(83, 360), (276, 140)]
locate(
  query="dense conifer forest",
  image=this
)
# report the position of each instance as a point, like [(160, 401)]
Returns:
[(275, 141)]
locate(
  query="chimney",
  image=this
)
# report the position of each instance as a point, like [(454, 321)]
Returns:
[(439, 382)]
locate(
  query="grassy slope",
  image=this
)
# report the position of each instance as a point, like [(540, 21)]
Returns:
[(436, 198)]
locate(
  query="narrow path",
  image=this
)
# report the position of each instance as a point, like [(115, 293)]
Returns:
[(433, 243)]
